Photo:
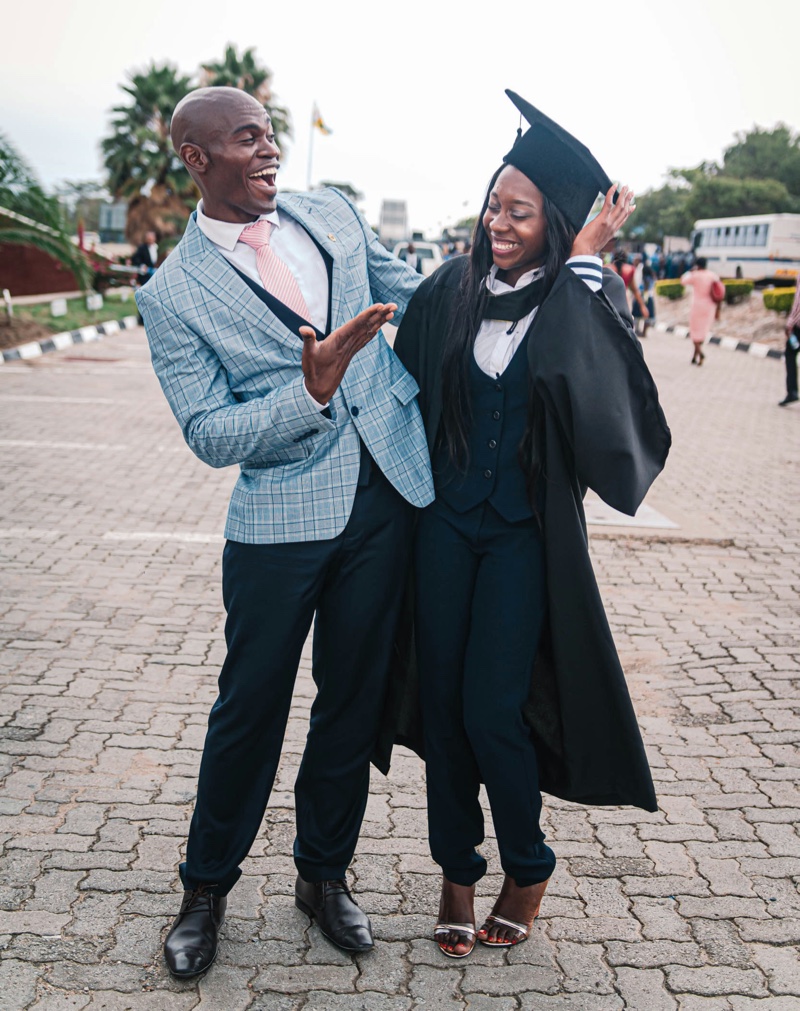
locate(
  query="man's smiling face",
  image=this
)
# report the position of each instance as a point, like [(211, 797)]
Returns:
[(239, 179)]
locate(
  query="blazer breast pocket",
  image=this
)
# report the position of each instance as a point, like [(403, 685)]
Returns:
[(405, 388)]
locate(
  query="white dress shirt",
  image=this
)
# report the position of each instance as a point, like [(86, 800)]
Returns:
[(288, 240), (292, 243), (497, 339)]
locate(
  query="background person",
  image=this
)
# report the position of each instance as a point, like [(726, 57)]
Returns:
[(791, 349), (645, 282), (532, 386), (145, 257), (632, 275), (412, 258), (704, 309)]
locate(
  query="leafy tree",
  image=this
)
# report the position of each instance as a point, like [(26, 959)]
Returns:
[(36, 219), (690, 176), (660, 212), (246, 73), (719, 196), (766, 154), (142, 166), (754, 179), (469, 223)]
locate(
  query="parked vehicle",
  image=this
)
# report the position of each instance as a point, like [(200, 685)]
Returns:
[(762, 247), (429, 253), (108, 274)]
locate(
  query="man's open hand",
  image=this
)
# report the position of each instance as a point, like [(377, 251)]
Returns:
[(325, 362)]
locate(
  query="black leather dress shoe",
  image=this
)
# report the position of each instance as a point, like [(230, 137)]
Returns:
[(790, 398), (335, 910), (191, 944)]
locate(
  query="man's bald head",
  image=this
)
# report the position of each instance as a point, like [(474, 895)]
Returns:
[(203, 113), (224, 137)]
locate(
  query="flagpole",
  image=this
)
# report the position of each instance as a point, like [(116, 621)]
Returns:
[(310, 150)]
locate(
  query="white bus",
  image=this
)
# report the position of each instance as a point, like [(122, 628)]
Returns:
[(763, 247)]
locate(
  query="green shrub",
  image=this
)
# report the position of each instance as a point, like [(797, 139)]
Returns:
[(736, 290), (779, 299), (669, 289)]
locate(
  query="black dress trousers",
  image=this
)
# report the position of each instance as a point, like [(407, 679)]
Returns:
[(790, 358), (480, 604), (352, 587)]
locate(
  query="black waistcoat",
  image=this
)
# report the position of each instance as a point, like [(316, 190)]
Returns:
[(499, 418), (293, 322)]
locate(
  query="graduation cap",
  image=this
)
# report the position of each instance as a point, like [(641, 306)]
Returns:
[(564, 169)]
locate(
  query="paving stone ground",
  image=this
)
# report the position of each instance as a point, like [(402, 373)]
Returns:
[(111, 635)]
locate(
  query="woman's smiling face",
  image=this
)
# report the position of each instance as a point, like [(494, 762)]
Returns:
[(515, 224)]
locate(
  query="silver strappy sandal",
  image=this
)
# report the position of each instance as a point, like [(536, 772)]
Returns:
[(467, 929), (521, 928)]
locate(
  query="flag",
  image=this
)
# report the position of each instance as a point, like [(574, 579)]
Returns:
[(317, 121)]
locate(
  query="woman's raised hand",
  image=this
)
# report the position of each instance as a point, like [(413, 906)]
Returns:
[(602, 228)]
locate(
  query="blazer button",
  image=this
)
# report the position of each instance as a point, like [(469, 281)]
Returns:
[(354, 411), (492, 443), (498, 387), (487, 473), (496, 415)]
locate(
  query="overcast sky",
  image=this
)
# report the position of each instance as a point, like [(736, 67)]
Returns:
[(413, 91)]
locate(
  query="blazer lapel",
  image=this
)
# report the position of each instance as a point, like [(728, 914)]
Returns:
[(305, 214), (204, 262)]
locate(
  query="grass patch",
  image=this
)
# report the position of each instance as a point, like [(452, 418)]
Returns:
[(77, 313)]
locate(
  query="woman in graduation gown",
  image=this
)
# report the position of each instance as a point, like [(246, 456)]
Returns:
[(533, 387)]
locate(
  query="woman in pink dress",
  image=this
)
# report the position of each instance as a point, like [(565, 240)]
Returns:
[(704, 308)]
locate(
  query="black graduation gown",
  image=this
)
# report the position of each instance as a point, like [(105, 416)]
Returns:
[(603, 428)]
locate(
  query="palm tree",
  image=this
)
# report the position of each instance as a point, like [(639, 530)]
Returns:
[(35, 218), (244, 72), (142, 166)]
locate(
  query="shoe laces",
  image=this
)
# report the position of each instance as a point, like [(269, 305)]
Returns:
[(334, 886), (198, 896)]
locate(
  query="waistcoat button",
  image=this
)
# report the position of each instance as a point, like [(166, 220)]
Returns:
[(487, 473), (496, 415), (492, 444)]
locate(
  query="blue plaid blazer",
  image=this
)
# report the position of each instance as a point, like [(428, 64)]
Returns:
[(231, 372)]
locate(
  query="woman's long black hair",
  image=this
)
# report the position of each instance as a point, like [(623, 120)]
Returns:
[(465, 322)]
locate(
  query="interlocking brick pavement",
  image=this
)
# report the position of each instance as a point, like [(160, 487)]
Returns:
[(111, 634)]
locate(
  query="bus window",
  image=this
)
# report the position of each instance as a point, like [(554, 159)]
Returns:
[(761, 234), (750, 237)]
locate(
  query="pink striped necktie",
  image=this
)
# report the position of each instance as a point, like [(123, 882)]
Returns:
[(275, 275)]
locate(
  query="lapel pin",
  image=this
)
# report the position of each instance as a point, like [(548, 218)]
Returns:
[(331, 237)]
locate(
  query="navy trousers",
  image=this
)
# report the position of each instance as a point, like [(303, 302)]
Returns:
[(352, 587), (480, 603)]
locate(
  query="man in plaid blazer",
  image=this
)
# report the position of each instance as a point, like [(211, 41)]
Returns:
[(333, 459)]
